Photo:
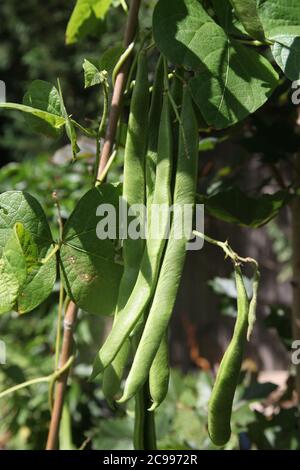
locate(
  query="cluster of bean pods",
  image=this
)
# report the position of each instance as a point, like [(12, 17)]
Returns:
[(160, 167)]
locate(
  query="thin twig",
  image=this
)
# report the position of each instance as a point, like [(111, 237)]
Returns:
[(116, 103), (48, 378), (229, 253), (58, 326), (69, 321)]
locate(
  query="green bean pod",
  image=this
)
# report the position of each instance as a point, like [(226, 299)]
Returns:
[(253, 304), (159, 374), (144, 437), (154, 124), (133, 193), (220, 404), (173, 262), (142, 293)]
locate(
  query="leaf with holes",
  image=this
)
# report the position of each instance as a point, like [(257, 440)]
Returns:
[(90, 271), (231, 80), (17, 207)]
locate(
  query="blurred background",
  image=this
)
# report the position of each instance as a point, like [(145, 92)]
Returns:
[(255, 157)]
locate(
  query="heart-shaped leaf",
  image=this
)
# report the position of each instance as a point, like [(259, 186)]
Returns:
[(232, 81), (90, 272), (92, 75), (34, 236), (85, 18)]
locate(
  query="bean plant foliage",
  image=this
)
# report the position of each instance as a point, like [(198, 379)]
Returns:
[(226, 58)]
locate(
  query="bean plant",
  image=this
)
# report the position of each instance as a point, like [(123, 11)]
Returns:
[(201, 66)]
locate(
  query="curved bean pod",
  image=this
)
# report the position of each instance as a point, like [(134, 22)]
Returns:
[(220, 404), (159, 374)]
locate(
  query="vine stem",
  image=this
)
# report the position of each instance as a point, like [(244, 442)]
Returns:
[(238, 260), (229, 253), (58, 326), (116, 103), (48, 378), (67, 345)]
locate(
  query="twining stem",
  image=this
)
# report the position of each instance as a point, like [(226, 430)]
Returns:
[(51, 254), (101, 128), (58, 326), (48, 378), (18, 387), (54, 377), (237, 260), (227, 249), (88, 132), (124, 57), (116, 103), (66, 352), (106, 169)]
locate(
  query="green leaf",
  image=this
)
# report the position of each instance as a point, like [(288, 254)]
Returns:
[(281, 20), (286, 52), (17, 207), (232, 81), (279, 16), (28, 246), (47, 123), (93, 76), (14, 254), (246, 11), (9, 287), (44, 96), (90, 271), (234, 206), (226, 18), (85, 18)]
